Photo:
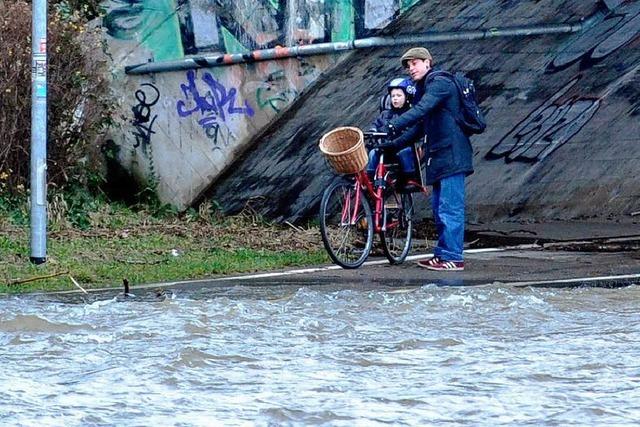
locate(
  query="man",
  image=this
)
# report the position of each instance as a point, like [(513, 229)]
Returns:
[(448, 156)]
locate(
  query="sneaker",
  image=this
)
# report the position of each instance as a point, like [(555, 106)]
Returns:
[(438, 264), (429, 262)]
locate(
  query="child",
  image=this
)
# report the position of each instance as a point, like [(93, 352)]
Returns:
[(400, 91)]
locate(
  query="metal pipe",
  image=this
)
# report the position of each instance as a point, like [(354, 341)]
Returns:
[(39, 133), (366, 43)]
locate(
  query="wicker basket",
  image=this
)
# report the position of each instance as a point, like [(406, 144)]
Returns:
[(344, 149)]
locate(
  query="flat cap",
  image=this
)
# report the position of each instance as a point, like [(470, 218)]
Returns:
[(416, 53)]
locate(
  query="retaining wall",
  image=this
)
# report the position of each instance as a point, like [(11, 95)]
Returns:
[(177, 131), (563, 112)]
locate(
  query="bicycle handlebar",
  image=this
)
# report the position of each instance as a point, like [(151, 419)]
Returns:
[(372, 135), (377, 140)]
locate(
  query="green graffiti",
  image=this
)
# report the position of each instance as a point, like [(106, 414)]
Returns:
[(153, 23), (231, 44), (343, 28), (277, 101), (158, 26), (406, 4)]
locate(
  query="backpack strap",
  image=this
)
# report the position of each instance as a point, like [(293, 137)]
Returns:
[(469, 117), (438, 73), (451, 77)]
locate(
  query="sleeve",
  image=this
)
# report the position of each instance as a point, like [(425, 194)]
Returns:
[(437, 93), (380, 124), (408, 136)]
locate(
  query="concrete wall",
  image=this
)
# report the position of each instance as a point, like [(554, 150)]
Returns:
[(563, 137), (177, 131)]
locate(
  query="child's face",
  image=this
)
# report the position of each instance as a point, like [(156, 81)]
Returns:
[(397, 98)]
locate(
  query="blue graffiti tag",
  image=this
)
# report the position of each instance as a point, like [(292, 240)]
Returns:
[(217, 102)]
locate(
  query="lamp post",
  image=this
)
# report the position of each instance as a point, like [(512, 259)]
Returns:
[(39, 133)]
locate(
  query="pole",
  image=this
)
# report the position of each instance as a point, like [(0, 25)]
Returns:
[(366, 43), (39, 133)]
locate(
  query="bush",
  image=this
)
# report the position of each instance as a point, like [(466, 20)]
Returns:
[(79, 106)]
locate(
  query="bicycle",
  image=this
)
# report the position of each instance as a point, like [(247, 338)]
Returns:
[(347, 223)]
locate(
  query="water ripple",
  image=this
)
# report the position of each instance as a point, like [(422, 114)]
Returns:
[(324, 356)]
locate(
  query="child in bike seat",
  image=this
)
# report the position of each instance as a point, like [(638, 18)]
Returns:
[(401, 149)]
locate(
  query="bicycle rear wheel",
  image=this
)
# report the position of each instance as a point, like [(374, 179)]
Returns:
[(347, 229), (396, 238)]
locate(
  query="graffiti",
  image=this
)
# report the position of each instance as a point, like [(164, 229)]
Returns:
[(153, 23), (255, 24), (172, 28), (307, 69), (276, 100), (379, 13), (546, 129), (220, 135), (147, 96), (200, 29), (271, 94), (216, 104), (616, 30)]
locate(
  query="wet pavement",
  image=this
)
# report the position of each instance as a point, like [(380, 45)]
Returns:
[(561, 254), (508, 267), (507, 233), (549, 254)]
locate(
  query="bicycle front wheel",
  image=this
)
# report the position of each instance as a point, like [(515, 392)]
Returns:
[(398, 232), (346, 226)]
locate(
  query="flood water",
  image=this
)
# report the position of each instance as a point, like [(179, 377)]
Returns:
[(323, 355)]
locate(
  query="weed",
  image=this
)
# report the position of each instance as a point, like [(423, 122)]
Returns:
[(79, 107), (122, 243)]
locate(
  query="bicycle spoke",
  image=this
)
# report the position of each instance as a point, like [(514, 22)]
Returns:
[(396, 238), (341, 220)]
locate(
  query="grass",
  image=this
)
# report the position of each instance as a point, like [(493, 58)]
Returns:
[(117, 243)]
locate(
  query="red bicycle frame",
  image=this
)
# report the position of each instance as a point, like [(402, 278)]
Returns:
[(375, 193)]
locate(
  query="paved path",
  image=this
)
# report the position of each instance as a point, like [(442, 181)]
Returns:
[(562, 253), (511, 267)]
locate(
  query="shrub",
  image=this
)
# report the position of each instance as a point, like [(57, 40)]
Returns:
[(79, 106)]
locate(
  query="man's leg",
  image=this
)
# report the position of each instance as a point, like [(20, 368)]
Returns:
[(449, 218), (435, 202)]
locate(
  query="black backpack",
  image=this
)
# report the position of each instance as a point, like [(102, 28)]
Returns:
[(470, 119)]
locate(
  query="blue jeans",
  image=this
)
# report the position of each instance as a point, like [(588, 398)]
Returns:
[(404, 157), (447, 203)]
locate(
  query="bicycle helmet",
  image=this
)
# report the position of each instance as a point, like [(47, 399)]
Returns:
[(398, 83), (401, 83)]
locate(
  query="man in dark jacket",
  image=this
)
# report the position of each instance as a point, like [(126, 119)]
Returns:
[(448, 156)]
